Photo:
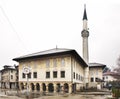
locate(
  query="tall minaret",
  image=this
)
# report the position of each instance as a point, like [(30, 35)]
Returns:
[(85, 35)]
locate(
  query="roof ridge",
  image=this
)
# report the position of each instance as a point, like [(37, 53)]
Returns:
[(45, 51)]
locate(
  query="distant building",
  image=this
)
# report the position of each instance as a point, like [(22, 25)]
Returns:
[(8, 77), (109, 77)]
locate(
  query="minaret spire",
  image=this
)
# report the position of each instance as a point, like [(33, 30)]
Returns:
[(85, 14)]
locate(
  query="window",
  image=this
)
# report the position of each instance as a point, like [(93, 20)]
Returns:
[(79, 77), (47, 74), (54, 74), (62, 74), (96, 79), (11, 71), (74, 75), (34, 74), (23, 75), (29, 75), (11, 76), (103, 78), (106, 77), (55, 62), (63, 62), (48, 63), (92, 79)]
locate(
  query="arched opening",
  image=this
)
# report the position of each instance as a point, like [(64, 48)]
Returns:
[(58, 87), (22, 86), (37, 87), (66, 88), (44, 87), (50, 87), (32, 87)]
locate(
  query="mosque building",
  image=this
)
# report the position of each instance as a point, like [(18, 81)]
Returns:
[(60, 69)]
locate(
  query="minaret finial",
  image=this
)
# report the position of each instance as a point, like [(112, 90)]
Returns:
[(85, 14)]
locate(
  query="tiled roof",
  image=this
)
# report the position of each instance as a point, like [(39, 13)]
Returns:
[(97, 65), (52, 52), (46, 52)]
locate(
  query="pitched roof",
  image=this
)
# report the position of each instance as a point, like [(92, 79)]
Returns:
[(52, 52), (97, 65)]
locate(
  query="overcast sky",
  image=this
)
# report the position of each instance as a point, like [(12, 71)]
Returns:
[(28, 26)]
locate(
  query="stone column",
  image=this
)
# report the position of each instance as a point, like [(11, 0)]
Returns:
[(35, 87), (24, 84), (62, 88), (46, 87), (20, 87), (70, 88), (30, 87), (41, 88), (55, 88)]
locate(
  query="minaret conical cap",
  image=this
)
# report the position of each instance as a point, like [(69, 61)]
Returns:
[(85, 14)]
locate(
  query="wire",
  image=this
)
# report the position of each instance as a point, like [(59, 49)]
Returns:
[(14, 30)]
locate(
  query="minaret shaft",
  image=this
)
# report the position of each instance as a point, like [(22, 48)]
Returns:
[(85, 49)]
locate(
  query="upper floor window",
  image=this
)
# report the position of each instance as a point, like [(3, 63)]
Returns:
[(34, 74), (106, 77), (103, 78), (47, 63), (74, 75), (62, 74), (92, 79), (29, 75), (11, 71), (47, 74), (79, 77), (54, 74), (63, 62), (96, 79), (55, 62), (11, 76), (23, 75)]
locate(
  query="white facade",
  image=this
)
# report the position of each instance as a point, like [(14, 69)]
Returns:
[(63, 69)]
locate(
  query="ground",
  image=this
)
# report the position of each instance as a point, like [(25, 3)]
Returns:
[(82, 95), (62, 97)]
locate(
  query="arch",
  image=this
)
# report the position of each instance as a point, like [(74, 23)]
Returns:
[(37, 87), (66, 88), (58, 87), (22, 86), (32, 87), (44, 87), (50, 87)]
